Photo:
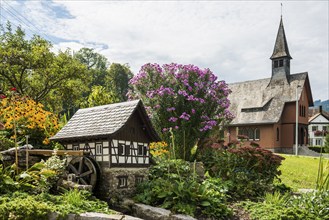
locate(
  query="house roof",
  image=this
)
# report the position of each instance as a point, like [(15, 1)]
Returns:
[(324, 114), (262, 101), (103, 121), (281, 46)]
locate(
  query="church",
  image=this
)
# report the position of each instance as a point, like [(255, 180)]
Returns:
[(265, 109)]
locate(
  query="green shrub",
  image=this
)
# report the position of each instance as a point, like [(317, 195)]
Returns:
[(275, 207), (317, 149), (249, 171), (41, 177), (21, 205), (5, 143), (174, 185)]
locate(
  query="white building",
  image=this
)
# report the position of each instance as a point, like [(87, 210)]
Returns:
[(318, 128)]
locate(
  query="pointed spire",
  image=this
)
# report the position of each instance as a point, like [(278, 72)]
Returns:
[(281, 45)]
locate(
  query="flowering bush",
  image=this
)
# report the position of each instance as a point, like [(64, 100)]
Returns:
[(159, 150), (184, 98), (249, 170), (28, 118), (320, 133)]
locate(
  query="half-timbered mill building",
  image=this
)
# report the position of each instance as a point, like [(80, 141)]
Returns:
[(117, 137), (265, 109)]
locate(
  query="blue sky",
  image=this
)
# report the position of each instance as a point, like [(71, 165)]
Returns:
[(233, 39)]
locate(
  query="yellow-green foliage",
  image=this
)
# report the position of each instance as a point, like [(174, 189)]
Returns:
[(299, 172)]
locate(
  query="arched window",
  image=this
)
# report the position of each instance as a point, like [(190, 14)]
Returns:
[(277, 134)]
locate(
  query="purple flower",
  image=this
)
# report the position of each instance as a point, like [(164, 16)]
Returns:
[(173, 119), (185, 116), (171, 109), (193, 111)]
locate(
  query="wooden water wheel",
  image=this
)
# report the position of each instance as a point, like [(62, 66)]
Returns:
[(85, 170)]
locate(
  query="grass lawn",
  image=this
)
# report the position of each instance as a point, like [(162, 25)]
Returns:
[(299, 172)]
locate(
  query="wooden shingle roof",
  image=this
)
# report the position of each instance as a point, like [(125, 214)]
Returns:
[(102, 121), (262, 102)]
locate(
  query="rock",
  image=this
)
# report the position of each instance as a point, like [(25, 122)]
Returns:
[(71, 185), (182, 217), (147, 212)]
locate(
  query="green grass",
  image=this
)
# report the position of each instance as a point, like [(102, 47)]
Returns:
[(299, 172)]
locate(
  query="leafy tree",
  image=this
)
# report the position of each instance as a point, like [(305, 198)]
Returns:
[(31, 67), (96, 64), (182, 98), (99, 96), (117, 80)]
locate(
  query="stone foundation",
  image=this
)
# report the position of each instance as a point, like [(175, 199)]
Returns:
[(119, 183)]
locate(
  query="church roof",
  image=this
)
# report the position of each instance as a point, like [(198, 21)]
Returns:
[(262, 102), (103, 121), (281, 46)]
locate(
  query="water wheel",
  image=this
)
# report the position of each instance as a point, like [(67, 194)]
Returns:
[(85, 170)]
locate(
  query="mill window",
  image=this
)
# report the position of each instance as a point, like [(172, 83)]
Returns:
[(122, 181), (99, 148), (121, 149), (76, 147)]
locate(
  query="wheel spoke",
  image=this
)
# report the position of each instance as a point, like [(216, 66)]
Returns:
[(86, 173), (80, 165), (84, 182), (73, 169)]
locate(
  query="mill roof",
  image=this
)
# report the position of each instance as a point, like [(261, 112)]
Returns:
[(262, 102), (103, 121)]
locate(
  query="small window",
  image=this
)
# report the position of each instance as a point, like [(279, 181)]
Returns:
[(280, 63), (145, 151), (324, 128), (122, 182), (76, 147), (121, 149), (99, 148), (318, 142), (127, 149), (140, 150), (276, 64), (277, 134), (139, 179), (314, 128), (257, 134)]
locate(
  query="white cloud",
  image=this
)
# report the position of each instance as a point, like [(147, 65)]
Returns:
[(233, 39)]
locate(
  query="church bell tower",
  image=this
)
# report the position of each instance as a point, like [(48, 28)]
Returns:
[(281, 56)]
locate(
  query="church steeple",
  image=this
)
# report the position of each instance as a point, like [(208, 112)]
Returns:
[(281, 56)]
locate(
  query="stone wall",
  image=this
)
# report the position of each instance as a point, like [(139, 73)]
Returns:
[(109, 185)]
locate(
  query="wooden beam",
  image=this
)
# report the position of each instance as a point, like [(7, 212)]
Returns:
[(59, 152)]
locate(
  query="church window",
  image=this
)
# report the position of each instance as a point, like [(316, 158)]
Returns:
[(277, 134), (251, 133), (280, 63), (276, 63)]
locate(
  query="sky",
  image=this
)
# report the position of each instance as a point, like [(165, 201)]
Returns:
[(234, 39)]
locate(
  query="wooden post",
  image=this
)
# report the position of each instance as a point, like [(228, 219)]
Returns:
[(27, 152)]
